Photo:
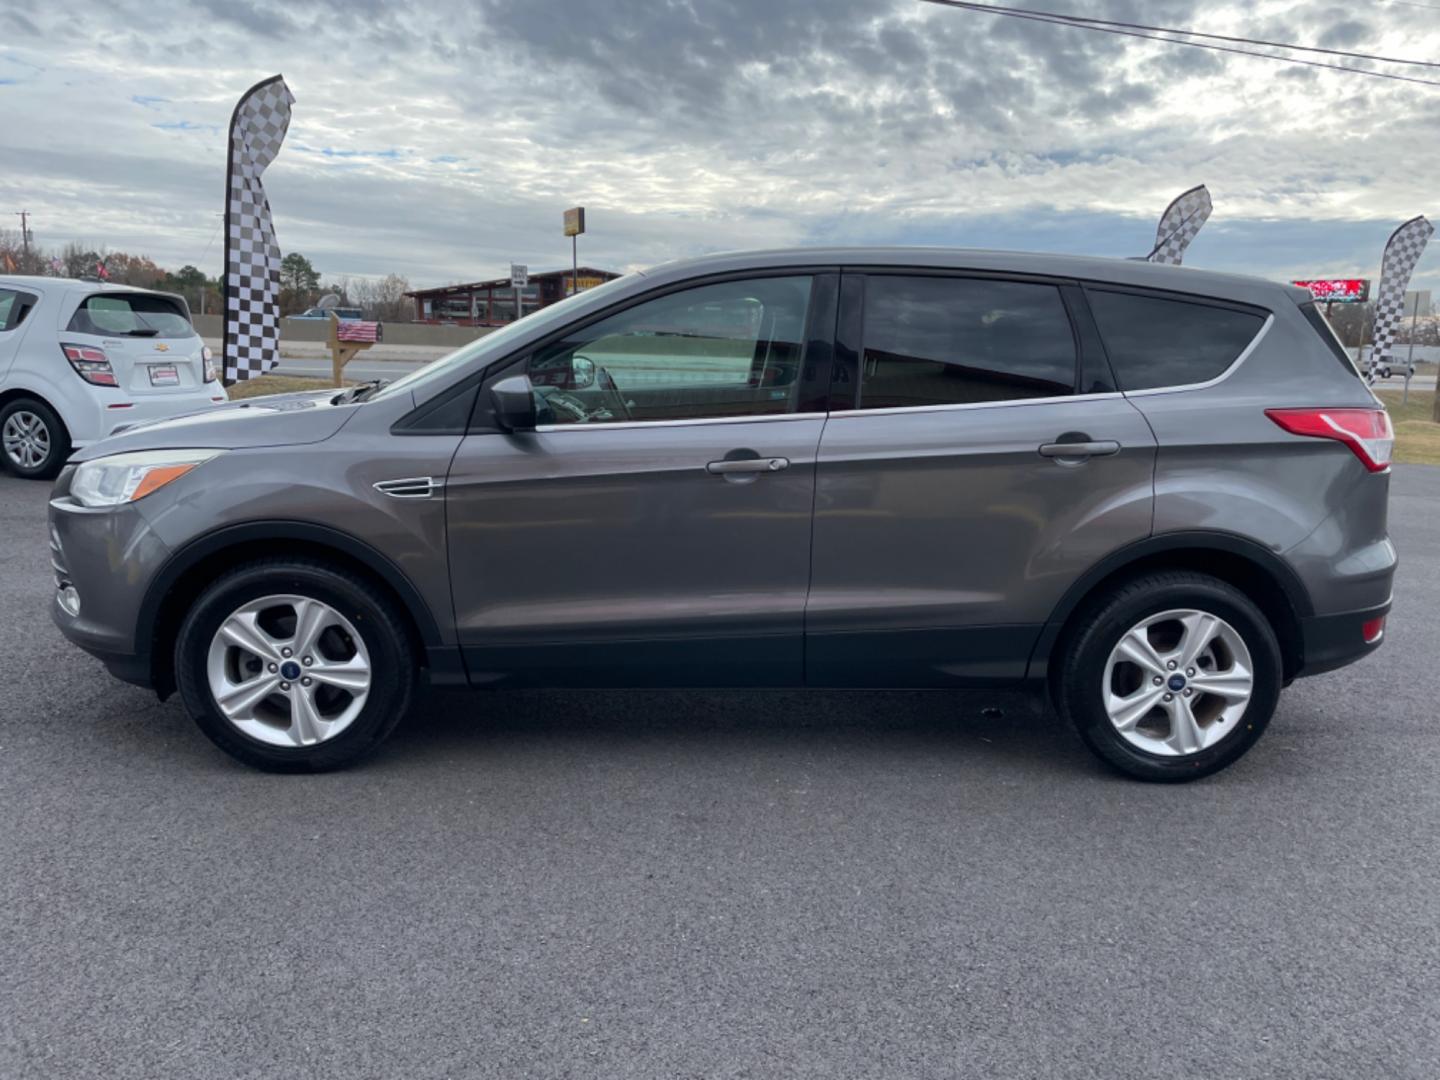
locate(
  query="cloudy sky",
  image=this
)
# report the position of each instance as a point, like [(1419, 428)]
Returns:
[(441, 139)]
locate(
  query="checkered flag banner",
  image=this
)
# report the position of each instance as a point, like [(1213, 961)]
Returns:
[(1407, 244), (1179, 224), (252, 258)]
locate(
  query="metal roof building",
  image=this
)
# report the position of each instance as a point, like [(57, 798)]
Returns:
[(492, 303)]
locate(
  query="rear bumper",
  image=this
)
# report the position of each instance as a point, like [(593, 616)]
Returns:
[(1332, 641), (107, 417)]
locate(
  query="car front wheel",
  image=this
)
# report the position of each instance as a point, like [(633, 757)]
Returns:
[(1172, 677), (34, 440), (292, 665)]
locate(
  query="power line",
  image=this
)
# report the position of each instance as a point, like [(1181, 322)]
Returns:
[(1076, 23), (1412, 3), (1217, 37)]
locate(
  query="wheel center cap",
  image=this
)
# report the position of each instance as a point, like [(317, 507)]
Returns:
[(1177, 682), (291, 670)]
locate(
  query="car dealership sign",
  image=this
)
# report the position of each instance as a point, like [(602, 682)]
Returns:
[(1338, 290)]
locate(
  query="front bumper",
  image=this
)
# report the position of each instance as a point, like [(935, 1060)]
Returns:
[(1333, 641), (109, 556)]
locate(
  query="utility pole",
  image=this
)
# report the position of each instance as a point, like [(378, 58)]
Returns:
[(24, 216)]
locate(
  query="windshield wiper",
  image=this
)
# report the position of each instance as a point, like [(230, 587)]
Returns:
[(358, 393), (142, 331)]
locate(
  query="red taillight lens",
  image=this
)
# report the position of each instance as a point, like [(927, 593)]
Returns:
[(90, 364), (1367, 432), (1373, 630)]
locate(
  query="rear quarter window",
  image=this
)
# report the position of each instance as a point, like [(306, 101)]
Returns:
[(1156, 341), (14, 306), (131, 315), (1321, 326)]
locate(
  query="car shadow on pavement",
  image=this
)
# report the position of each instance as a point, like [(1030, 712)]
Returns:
[(990, 727)]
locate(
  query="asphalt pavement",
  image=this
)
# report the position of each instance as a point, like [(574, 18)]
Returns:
[(766, 885)]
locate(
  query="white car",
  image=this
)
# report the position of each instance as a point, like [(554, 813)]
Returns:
[(80, 360)]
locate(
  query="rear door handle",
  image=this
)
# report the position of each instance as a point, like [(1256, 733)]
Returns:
[(748, 465), (1101, 448)]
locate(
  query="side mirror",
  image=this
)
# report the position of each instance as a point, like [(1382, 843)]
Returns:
[(582, 373), (513, 401)]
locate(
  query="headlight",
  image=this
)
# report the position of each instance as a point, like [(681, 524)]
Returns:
[(122, 478)]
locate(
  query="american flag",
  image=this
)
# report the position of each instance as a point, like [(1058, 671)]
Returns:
[(355, 330)]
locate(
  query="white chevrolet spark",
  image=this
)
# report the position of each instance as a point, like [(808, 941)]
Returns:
[(80, 360)]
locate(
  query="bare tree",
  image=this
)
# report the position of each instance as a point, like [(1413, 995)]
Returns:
[(382, 299)]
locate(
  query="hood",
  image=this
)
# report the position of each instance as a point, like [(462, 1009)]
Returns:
[(281, 420)]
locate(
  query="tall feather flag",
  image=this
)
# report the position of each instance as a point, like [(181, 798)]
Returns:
[(1182, 219), (1402, 252), (252, 257)]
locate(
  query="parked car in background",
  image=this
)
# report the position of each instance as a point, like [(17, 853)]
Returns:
[(1155, 493), (344, 314), (80, 360)]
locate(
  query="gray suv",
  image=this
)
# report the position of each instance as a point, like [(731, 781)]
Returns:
[(1157, 494)]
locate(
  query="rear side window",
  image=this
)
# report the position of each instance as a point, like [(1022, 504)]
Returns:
[(1319, 324), (14, 306), (131, 315), (1154, 341), (960, 341)]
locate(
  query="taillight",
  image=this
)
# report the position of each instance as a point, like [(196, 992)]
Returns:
[(207, 358), (90, 364), (1367, 432), (1373, 630)]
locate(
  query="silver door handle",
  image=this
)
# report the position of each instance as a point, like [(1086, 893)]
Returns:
[(1080, 449), (748, 465)]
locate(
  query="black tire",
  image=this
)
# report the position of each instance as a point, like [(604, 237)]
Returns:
[(375, 617), (1086, 648), (55, 433)]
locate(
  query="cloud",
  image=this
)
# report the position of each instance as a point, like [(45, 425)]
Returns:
[(443, 138)]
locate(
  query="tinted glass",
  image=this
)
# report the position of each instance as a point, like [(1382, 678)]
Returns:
[(132, 315), (9, 304), (1156, 342), (732, 349), (951, 341), (1319, 324)]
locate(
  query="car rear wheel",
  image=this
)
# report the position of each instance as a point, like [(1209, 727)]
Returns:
[(294, 666), (33, 440), (1172, 677)]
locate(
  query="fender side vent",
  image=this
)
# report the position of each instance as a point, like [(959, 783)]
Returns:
[(412, 487)]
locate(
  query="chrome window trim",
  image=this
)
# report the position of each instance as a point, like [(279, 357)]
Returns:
[(622, 425), (851, 414), (1218, 379)]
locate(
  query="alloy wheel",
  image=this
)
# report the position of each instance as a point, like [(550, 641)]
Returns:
[(26, 438), (288, 670), (1178, 682)]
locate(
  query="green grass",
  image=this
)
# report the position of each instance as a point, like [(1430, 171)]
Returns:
[(1417, 437)]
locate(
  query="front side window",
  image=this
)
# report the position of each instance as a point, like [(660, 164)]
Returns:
[(960, 341), (131, 315), (1154, 341), (730, 349)]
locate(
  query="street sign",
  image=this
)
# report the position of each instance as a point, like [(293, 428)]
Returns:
[(519, 275), (575, 221), (1337, 290)]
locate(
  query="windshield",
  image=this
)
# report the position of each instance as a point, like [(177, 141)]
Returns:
[(432, 375)]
